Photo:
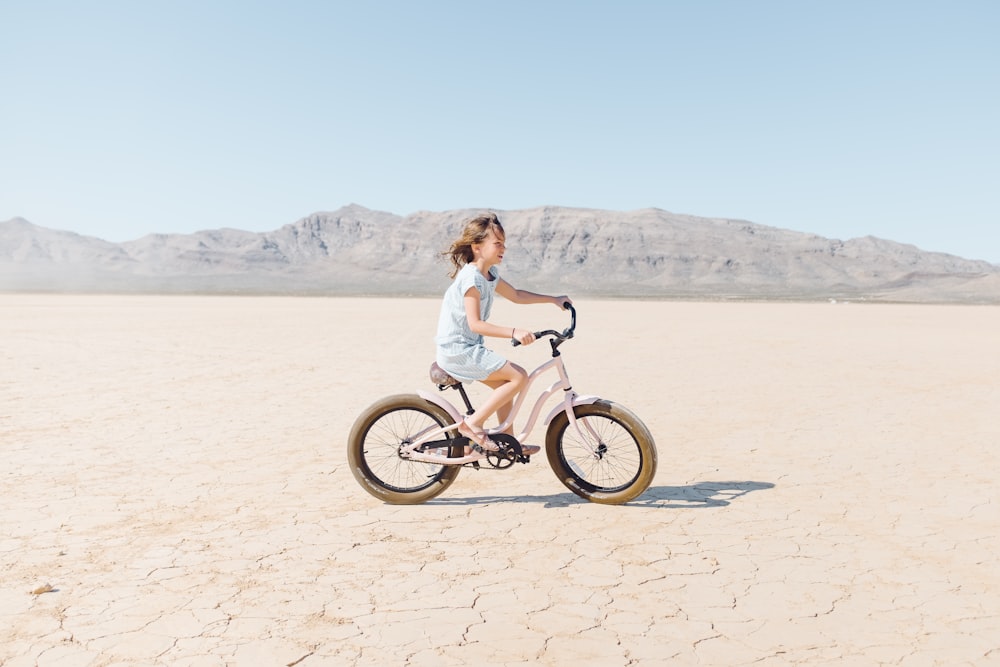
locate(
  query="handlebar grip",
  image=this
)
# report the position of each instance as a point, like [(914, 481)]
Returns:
[(515, 342)]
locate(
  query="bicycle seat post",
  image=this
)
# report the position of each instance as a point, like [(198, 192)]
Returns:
[(465, 398), (443, 380)]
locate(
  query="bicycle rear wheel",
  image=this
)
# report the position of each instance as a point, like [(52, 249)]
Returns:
[(608, 458), (373, 450)]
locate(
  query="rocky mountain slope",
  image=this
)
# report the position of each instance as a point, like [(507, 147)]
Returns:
[(354, 250)]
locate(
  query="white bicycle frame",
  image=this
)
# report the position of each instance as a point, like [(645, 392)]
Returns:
[(570, 399)]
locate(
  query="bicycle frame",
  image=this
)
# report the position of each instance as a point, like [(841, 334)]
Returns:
[(571, 398)]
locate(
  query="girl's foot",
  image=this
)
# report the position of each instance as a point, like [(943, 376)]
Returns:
[(478, 440)]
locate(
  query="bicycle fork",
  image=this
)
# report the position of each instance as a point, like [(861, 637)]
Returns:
[(591, 437)]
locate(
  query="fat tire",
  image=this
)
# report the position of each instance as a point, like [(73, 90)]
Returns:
[(372, 451), (622, 473)]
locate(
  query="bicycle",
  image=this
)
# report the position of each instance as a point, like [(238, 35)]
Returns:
[(405, 449)]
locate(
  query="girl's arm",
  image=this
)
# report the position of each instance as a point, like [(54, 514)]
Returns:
[(484, 328), (507, 291)]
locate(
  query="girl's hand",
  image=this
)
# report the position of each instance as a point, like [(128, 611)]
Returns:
[(560, 300), (523, 336)]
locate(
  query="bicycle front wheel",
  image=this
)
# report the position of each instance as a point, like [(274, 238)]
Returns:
[(608, 457), (373, 450)]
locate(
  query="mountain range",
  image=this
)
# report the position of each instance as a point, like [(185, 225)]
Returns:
[(647, 253)]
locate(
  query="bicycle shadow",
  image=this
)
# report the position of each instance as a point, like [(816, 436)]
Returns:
[(691, 496), (700, 494)]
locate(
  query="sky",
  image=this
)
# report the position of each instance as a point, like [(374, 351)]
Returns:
[(844, 119)]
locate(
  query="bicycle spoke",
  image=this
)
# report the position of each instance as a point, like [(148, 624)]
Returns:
[(606, 455), (382, 445)]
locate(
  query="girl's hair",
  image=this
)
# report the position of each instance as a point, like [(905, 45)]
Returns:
[(476, 231)]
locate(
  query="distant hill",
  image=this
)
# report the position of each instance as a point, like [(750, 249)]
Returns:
[(647, 253)]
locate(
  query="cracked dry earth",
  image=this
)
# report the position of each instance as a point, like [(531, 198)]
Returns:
[(173, 469)]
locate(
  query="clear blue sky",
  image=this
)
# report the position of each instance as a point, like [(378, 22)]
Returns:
[(846, 118)]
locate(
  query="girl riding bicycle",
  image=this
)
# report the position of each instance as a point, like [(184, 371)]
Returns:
[(403, 448), (463, 324)]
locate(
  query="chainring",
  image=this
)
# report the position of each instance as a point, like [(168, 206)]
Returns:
[(509, 454)]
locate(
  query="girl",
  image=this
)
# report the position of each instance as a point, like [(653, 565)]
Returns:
[(462, 326)]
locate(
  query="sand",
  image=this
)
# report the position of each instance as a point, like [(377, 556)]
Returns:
[(174, 469)]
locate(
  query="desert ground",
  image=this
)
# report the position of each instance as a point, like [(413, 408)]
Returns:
[(176, 492)]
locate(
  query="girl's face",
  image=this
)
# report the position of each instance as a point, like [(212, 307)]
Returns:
[(491, 250)]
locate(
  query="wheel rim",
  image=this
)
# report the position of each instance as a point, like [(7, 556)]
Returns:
[(609, 462), (381, 450)]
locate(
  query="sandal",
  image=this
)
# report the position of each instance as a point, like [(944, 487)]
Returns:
[(478, 440)]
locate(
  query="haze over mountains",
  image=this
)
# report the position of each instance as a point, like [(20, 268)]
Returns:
[(354, 250)]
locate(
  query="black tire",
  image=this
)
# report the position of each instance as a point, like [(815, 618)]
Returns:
[(616, 468), (373, 450)]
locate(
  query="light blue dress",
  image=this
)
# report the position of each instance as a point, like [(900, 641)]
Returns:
[(461, 352)]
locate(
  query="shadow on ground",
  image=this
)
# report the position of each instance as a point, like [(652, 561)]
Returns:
[(698, 495)]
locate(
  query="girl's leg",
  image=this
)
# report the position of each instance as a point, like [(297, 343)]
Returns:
[(506, 384), (503, 412)]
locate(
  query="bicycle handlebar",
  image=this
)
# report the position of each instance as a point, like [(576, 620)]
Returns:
[(566, 334)]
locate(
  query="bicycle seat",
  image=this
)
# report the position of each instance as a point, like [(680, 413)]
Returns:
[(440, 377)]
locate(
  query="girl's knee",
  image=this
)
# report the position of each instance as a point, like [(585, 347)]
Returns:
[(510, 373), (519, 375), (519, 382)]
